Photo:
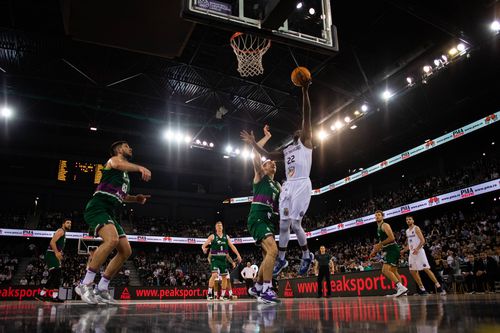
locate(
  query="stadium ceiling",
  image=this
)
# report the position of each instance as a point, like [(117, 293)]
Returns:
[(64, 78)]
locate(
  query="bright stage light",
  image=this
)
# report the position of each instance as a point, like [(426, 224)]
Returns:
[(386, 95), (322, 135), (495, 26), (364, 107), (229, 149)]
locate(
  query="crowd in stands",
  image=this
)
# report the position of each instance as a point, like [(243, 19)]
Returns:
[(8, 265), (416, 189), (409, 191)]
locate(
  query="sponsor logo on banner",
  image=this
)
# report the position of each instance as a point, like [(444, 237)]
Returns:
[(418, 205), (405, 209), (308, 234), (368, 283), (317, 191), (458, 133), (27, 233), (167, 239), (141, 238), (467, 192), (383, 164), (1, 231), (288, 292), (405, 155), (340, 226), (429, 144), (237, 240), (491, 117), (433, 201), (331, 187), (347, 179), (359, 222), (125, 294), (349, 224), (191, 241), (323, 231), (364, 173)]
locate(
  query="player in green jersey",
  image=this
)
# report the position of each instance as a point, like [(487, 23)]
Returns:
[(53, 258), (391, 250), (100, 215), (219, 244), (263, 216)]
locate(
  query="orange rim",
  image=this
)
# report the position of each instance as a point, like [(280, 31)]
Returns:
[(234, 46)]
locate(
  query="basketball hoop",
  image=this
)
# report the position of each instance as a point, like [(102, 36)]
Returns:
[(249, 51)]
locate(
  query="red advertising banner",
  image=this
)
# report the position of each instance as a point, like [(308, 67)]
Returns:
[(370, 283), (19, 293), (164, 293)]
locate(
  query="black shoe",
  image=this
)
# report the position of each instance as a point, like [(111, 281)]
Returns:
[(422, 292)]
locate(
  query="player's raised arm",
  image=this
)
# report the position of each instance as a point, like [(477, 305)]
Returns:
[(306, 133), (249, 138)]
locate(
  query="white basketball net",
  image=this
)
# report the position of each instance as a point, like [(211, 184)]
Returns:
[(249, 51)]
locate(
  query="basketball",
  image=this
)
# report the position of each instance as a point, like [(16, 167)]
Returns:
[(300, 76)]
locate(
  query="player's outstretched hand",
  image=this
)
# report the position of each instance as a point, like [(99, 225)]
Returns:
[(267, 133), (248, 138), (145, 174), (142, 198)]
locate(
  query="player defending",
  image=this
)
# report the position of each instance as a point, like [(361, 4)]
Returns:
[(388, 244), (417, 258), (296, 193), (99, 214), (53, 258), (219, 248), (263, 214)]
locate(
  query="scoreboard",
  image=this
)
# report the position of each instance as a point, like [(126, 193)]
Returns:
[(76, 172)]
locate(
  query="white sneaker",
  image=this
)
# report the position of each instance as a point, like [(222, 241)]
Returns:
[(103, 296), (86, 293), (401, 291)]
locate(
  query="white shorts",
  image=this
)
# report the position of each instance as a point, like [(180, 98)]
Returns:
[(419, 261), (294, 199)]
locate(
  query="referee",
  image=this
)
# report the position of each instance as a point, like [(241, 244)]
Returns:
[(323, 264), (248, 274)]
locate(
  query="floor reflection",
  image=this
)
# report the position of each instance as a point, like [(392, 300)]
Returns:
[(471, 313)]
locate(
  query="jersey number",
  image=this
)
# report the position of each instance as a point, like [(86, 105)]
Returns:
[(290, 159)]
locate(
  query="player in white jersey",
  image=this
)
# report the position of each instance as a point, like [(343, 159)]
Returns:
[(296, 192), (417, 258)]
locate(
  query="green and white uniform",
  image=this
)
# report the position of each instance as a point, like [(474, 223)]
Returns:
[(390, 251), (219, 248), (264, 212), (108, 198), (50, 256)]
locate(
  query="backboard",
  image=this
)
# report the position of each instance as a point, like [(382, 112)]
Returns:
[(306, 24)]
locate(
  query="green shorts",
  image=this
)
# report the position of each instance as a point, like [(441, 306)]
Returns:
[(51, 260), (391, 255), (101, 211), (219, 264), (261, 225)]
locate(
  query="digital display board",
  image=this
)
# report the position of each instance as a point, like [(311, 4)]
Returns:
[(74, 171)]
